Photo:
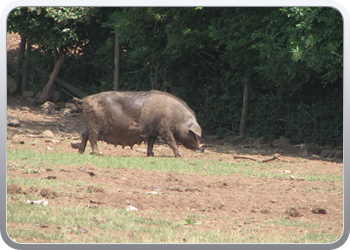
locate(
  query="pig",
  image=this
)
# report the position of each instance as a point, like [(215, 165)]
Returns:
[(129, 118)]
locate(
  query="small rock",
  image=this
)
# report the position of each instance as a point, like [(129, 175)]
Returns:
[(38, 95), (275, 143), (91, 189), (283, 141), (14, 189), (304, 153), (92, 174), (292, 212), (100, 220), (175, 189), (327, 153), (48, 133), (318, 210), (65, 170), (33, 189), (338, 154), (131, 208), (52, 140), (28, 93), (60, 105), (96, 202), (81, 230), (48, 107), (23, 130), (13, 122), (72, 106), (75, 144), (11, 85), (66, 111), (51, 177), (313, 149), (18, 139), (258, 141), (264, 211), (48, 193), (237, 139)]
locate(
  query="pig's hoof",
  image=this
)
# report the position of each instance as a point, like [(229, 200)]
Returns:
[(98, 154)]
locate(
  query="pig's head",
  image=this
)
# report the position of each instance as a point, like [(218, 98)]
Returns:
[(189, 136)]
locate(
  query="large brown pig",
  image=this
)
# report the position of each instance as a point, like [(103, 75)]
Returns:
[(128, 118)]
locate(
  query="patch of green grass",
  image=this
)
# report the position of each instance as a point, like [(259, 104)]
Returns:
[(101, 225), (33, 233), (312, 238), (30, 158), (294, 223), (189, 222), (43, 183), (31, 171)]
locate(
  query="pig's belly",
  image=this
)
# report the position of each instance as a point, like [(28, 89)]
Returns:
[(123, 138)]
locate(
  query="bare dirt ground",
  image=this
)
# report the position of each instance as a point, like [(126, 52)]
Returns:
[(247, 203)]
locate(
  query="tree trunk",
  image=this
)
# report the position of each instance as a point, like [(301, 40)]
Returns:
[(48, 87), (22, 50), (116, 62), (65, 84), (55, 56), (26, 69), (242, 127)]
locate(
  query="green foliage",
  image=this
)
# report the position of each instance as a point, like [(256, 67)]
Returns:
[(31, 171), (189, 222), (317, 40), (51, 27)]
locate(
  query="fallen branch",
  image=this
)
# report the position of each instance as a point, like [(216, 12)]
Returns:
[(274, 157), (35, 136), (253, 145), (250, 145)]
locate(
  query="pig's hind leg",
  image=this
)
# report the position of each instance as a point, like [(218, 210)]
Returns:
[(93, 137), (84, 138)]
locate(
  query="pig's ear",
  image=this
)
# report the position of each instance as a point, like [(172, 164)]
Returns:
[(195, 128)]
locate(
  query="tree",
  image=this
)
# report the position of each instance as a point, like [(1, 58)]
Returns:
[(299, 39), (300, 61), (59, 29), (116, 61), (317, 40), (232, 31)]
